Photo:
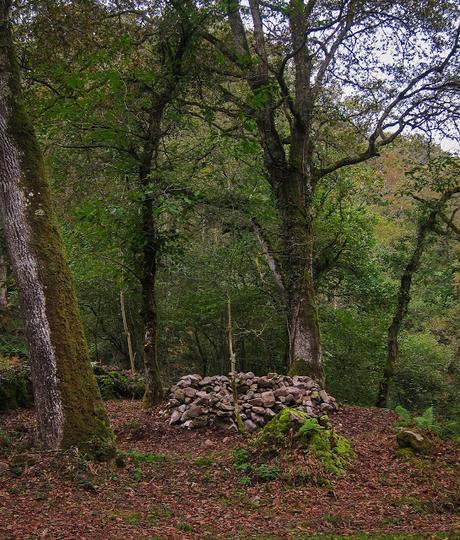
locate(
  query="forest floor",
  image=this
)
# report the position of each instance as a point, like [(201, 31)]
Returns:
[(179, 484)]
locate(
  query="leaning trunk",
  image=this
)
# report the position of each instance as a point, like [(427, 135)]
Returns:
[(153, 385), (424, 227), (67, 399)]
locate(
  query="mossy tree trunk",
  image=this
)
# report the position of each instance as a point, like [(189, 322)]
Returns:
[(67, 399)]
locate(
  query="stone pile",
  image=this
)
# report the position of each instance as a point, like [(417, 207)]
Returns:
[(197, 401)]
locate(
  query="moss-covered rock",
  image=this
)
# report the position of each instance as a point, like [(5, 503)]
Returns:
[(15, 388), (292, 428), (116, 385), (413, 441)]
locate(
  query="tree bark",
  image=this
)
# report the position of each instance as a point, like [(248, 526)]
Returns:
[(67, 399), (425, 226), (305, 356), (3, 282), (153, 387), (291, 181), (132, 356)]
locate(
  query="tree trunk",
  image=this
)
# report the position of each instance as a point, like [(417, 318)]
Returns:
[(424, 227), (131, 354), (305, 356), (153, 387), (3, 281), (67, 398)]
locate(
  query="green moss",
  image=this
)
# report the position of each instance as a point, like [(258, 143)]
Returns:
[(140, 457), (204, 461), (287, 422), (294, 428), (333, 451), (115, 385), (15, 388), (85, 421)]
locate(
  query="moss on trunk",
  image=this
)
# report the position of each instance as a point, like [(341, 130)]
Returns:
[(84, 421)]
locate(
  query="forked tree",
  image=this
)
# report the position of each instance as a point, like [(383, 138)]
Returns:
[(314, 69)]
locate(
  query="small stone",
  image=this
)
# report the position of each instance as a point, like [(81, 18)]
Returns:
[(188, 424), (189, 392), (258, 419), (323, 395), (200, 421), (268, 398), (205, 381), (258, 410), (179, 394), (175, 417), (256, 402), (250, 426), (281, 392), (226, 407)]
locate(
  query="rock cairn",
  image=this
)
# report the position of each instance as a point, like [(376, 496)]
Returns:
[(197, 401)]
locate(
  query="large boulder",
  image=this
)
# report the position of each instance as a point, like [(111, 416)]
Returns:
[(416, 442)]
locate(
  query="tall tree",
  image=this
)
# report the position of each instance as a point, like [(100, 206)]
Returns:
[(153, 46), (312, 64), (67, 398)]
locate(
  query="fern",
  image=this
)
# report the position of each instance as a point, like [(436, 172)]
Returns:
[(426, 421)]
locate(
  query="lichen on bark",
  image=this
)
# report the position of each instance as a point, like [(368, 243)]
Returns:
[(68, 402)]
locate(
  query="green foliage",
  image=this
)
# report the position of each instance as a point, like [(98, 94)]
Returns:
[(428, 421), (204, 461), (266, 473), (140, 457), (115, 385), (15, 387), (185, 527), (421, 372)]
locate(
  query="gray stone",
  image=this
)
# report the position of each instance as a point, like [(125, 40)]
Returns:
[(250, 426), (175, 417), (189, 392), (260, 420), (179, 395), (226, 407), (258, 410), (268, 398), (413, 440), (281, 392)]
